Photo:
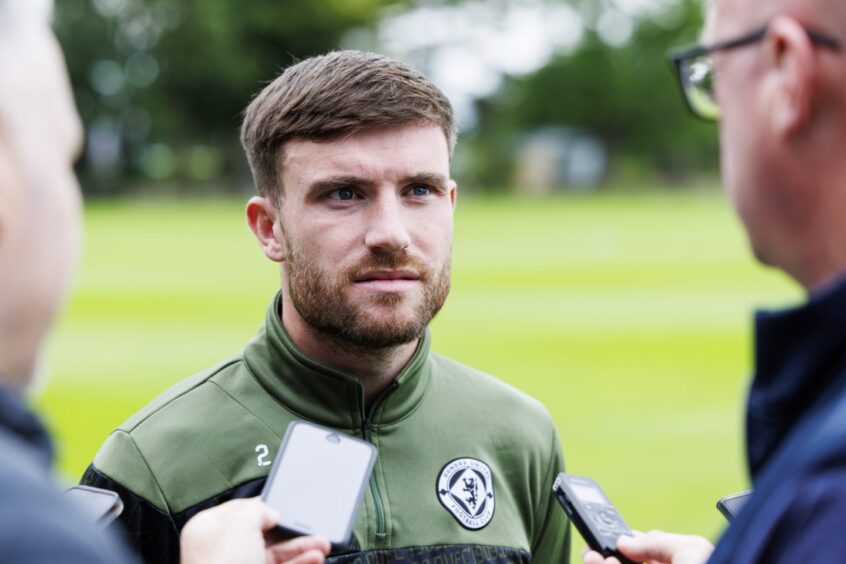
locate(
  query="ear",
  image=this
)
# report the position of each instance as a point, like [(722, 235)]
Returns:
[(453, 193), (794, 72), (264, 219)]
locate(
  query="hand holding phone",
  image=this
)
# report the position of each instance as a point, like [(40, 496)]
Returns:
[(592, 513), (318, 480), (233, 533)]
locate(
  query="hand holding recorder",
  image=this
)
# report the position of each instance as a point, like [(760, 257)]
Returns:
[(656, 547), (609, 539)]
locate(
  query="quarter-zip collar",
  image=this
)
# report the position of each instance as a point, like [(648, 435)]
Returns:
[(799, 359), (326, 395), (24, 426)]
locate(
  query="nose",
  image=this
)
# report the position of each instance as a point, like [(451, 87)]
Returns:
[(386, 229)]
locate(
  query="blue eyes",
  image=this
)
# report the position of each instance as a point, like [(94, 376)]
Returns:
[(348, 194)]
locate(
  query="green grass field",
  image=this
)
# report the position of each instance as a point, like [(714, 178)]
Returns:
[(628, 316)]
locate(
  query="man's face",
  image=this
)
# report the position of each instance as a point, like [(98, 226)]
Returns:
[(749, 168), (733, 93), (40, 227), (366, 225)]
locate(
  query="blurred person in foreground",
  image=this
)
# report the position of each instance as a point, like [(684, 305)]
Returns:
[(350, 153), (778, 68), (40, 227)]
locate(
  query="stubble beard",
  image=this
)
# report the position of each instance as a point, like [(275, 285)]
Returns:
[(381, 321)]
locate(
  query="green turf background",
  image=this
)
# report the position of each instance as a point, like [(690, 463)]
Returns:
[(628, 315)]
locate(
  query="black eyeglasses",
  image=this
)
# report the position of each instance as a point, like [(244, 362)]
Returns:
[(695, 70)]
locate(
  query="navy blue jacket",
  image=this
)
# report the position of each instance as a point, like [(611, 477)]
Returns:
[(796, 439), (36, 523)]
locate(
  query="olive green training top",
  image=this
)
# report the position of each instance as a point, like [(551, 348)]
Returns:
[(464, 470)]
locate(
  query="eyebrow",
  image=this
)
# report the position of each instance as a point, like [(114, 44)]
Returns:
[(346, 181), (337, 182), (426, 178)]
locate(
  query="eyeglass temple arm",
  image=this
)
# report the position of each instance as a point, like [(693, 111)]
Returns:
[(751, 37)]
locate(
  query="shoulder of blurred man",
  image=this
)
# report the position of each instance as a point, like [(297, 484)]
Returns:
[(37, 524), (796, 427), (799, 507), (213, 437)]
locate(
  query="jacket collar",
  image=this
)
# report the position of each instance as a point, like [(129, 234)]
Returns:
[(800, 359), (24, 427), (326, 395)]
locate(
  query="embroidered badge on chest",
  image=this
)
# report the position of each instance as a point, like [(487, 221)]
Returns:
[(465, 488)]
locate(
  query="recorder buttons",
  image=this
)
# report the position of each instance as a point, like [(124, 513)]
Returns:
[(608, 521), (607, 517)]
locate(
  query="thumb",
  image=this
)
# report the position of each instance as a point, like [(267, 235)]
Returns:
[(651, 546), (259, 513), (269, 518), (663, 547)]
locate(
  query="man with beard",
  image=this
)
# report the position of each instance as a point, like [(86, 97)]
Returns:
[(350, 154)]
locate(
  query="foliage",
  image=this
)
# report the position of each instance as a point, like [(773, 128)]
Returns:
[(628, 96), (180, 72), (161, 85)]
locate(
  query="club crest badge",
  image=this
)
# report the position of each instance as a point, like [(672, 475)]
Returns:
[(465, 488)]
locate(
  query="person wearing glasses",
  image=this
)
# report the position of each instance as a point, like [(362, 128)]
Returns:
[(773, 73)]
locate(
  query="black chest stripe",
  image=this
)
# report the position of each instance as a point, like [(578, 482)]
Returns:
[(439, 554)]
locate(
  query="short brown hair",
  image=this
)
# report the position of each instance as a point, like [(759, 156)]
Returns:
[(336, 94)]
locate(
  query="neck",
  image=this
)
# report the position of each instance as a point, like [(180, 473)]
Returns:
[(820, 255), (16, 369), (375, 369), (821, 272)]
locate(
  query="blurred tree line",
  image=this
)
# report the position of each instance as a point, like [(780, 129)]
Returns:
[(161, 85), (626, 95)]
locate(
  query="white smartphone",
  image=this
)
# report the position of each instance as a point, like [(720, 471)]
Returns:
[(318, 480)]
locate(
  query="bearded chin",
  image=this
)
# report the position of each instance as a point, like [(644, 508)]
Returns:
[(382, 321)]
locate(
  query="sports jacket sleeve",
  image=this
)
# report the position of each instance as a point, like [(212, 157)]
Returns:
[(148, 528), (149, 524), (149, 532), (552, 543)]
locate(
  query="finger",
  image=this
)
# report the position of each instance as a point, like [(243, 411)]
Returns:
[(269, 517), (592, 557), (252, 512), (294, 547), (310, 557), (650, 546), (654, 545)]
